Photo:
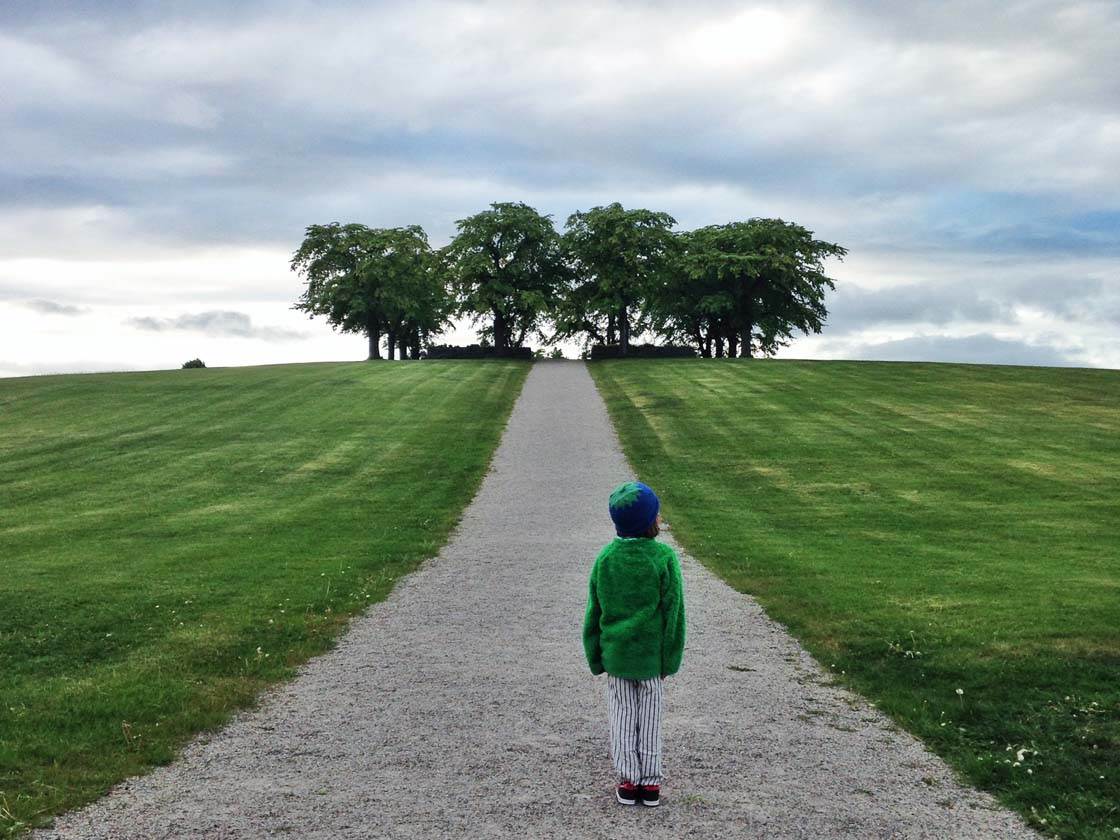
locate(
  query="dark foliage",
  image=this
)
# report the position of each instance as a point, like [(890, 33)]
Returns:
[(643, 351), (476, 351), (194, 363)]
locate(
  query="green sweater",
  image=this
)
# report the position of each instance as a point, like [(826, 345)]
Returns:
[(634, 627)]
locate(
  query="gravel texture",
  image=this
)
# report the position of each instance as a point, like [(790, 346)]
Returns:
[(462, 705)]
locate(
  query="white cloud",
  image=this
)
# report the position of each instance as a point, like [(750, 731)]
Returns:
[(156, 275), (40, 344), (33, 73)]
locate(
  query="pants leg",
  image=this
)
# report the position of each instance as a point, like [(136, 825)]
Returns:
[(622, 708), (634, 708), (651, 695)]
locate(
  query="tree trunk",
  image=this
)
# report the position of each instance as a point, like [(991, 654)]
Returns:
[(732, 344), (374, 333), (706, 352), (501, 338), (623, 330), (719, 346), (392, 342), (403, 344), (415, 344), (747, 341), (610, 329)]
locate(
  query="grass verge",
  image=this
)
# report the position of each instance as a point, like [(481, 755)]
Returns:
[(171, 543), (944, 538)]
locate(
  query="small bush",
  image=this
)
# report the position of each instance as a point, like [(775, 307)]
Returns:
[(476, 351), (642, 351), (554, 353), (194, 363)]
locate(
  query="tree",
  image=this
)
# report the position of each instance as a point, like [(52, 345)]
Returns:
[(690, 306), (416, 302), (619, 257), (747, 286), (506, 265), (373, 281), (413, 293)]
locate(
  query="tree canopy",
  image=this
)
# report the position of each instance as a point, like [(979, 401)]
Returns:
[(506, 265), (745, 287), (741, 288), (619, 257), (374, 281)]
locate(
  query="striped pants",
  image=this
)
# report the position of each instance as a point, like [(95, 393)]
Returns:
[(634, 707)]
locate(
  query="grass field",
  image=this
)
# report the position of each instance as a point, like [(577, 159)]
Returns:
[(173, 542), (945, 538)]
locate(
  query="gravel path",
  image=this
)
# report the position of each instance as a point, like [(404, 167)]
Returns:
[(462, 704)]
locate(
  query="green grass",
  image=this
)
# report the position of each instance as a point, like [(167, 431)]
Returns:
[(922, 529), (173, 542)]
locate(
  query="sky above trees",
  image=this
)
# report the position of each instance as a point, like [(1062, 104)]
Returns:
[(160, 161)]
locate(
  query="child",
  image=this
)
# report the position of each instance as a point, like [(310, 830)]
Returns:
[(634, 630)]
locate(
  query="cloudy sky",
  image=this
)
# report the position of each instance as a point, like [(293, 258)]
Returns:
[(159, 161)]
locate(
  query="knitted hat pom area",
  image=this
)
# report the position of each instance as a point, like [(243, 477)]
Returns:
[(633, 508)]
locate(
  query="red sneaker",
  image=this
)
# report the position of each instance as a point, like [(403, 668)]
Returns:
[(650, 795)]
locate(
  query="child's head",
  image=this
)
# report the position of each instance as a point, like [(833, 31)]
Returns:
[(634, 508)]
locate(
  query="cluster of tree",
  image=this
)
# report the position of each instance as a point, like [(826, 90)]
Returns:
[(736, 289)]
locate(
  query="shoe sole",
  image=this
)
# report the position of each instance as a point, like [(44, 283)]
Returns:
[(622, 801), (651, 804)]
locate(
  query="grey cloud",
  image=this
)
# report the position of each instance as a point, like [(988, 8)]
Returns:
[(218, 324), (982, 348), (993, 294), (854, 308), (1072, 297), (50, 307), (229, 108)]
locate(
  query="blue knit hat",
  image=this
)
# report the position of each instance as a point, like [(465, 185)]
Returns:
[(633, 508)]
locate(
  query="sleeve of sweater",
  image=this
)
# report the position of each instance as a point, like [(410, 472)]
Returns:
[(591, 630), (672, 612)]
